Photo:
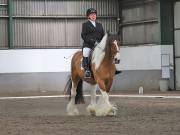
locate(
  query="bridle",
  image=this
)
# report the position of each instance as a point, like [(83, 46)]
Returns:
[(116, 60), (116, 44)]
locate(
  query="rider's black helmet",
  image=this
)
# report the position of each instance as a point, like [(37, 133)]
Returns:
[(90, 10)]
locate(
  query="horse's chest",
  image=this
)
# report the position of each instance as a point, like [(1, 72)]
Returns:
[(104, 73)]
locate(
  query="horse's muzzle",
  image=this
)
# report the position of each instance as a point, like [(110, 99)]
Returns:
[(116, 61)]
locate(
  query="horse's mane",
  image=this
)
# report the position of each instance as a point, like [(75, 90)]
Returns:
[(102, 49), (99, 52)]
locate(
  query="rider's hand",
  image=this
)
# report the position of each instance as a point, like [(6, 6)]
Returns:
[(92, 41)]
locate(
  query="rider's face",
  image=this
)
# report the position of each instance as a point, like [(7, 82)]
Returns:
[(92, 16)]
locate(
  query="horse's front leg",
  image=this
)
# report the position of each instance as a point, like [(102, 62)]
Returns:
[(91, 107), (71, 107), (104, 107)]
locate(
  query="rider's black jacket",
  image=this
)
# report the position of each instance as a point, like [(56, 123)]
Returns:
[(91, 34)]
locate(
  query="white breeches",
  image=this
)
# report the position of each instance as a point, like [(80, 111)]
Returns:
[(86, 52)]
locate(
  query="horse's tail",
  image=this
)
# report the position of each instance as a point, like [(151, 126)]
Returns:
[(79, 99), (68, 86)]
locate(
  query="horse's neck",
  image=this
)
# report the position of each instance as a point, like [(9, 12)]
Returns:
[(100, 54), (107, 61)]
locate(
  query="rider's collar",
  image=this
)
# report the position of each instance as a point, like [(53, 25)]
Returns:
[(93, 22)]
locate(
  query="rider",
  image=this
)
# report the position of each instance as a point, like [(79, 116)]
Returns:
[(92, 33)]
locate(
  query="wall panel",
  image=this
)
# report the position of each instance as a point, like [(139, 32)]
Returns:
[(140, 22), (140, 12), (3, 33), (39, 33), (57, 23)]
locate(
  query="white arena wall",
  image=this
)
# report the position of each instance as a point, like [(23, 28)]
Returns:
[(47, 69)]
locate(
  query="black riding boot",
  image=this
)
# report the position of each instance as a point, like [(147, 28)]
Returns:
[(118, 72), (87, 73)]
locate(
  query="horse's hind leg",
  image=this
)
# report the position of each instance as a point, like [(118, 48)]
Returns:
[(71, 107)]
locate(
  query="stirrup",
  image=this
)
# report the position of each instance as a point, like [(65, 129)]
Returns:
[(118, 72), (87, 74)]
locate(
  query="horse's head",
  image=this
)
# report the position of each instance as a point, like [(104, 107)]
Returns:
[(108, 49), (114, 47)]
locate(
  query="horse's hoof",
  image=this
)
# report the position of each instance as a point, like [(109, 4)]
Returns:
[(113, 111), (91, 110), (73, 113), (72, 110), (107, 111)]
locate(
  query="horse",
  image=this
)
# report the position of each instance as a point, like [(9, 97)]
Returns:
[(103, 59)]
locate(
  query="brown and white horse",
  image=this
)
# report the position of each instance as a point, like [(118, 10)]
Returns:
[(104, 58)]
